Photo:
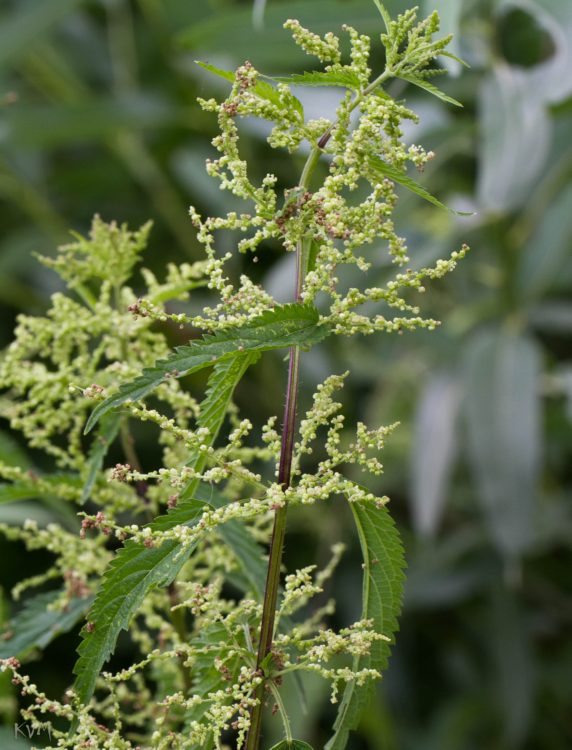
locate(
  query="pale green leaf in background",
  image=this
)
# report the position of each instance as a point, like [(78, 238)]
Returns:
[(547, 255), (502, 377), (445, 572), (15, 514), (49, 494), (514, 139), (433, 452), (91, 122), (258, 9), (11, 454), (566, 377)]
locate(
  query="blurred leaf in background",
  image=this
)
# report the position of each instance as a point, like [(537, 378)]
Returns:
[(98, 114)]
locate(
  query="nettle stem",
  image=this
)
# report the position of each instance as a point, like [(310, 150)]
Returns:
[(284, 478), (287, 446)]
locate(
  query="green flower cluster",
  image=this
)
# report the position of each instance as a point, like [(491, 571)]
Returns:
[(198, 520)]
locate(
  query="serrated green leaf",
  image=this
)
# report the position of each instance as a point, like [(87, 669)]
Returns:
[(137, 569), (422, 83), (345, 78), (261, 88), (36, 625), (131, 575), (284, 326), (291, 745), (379, 170), (384, 564), (228, 75), (108, 429)]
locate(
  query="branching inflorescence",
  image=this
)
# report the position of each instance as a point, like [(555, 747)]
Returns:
[(204, 515)]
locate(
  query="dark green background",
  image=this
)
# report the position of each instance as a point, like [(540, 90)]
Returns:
[(98, 114)]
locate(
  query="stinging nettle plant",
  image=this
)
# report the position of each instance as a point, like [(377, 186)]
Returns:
[(156, 550)]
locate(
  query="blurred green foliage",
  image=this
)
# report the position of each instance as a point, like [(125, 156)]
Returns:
[(97, 114)]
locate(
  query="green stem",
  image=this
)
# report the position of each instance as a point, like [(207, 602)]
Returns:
[(284, 476), (276, 545), (287, 447)]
